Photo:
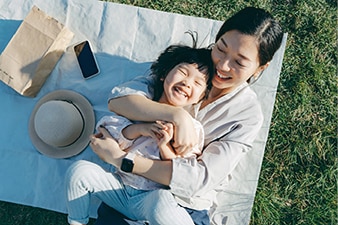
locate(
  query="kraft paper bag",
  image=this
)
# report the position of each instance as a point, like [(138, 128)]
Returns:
[(33, 52)]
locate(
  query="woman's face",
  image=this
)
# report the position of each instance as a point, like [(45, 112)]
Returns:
[(235, 56), (184, 85)]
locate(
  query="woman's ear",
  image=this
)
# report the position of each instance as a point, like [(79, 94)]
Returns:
[(260, 70)]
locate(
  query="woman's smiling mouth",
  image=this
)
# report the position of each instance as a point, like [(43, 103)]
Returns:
[(222, 76)]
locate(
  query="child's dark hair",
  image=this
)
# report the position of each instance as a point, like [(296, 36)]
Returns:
[(177, 54)]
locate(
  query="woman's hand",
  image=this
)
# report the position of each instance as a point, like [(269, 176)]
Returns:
[(106, 147), (184, 136)]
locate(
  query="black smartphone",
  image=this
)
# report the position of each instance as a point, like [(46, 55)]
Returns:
[(86, 59)]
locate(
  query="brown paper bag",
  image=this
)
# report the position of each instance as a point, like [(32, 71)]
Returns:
[(33, 52)]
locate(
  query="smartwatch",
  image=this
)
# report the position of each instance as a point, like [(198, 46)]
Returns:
[(128, 163)]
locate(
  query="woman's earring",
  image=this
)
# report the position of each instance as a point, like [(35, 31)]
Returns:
[(211, 46), (255, 77)]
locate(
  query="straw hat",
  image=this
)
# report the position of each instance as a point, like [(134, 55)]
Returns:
[(61, 123)]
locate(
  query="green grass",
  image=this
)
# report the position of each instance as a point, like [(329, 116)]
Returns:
[(13, 214), (298, 182)]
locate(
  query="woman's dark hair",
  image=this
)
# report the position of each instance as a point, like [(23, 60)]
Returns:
[(260, 24), (175, 55)]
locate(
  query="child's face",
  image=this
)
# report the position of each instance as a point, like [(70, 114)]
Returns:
[(184, 85)]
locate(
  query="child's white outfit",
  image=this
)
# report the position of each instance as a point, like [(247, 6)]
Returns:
[(144, 146)]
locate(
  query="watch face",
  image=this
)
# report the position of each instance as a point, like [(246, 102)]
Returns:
[(127, 165)]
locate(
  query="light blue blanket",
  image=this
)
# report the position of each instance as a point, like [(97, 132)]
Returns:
[(125, 40)]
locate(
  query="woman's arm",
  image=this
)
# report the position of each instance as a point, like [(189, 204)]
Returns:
[(141, 108), (109, 151), (138, 107)]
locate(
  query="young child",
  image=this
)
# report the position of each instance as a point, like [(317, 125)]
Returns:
[(182, 78)]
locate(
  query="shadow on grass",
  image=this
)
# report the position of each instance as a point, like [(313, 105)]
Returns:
[(15, 214)]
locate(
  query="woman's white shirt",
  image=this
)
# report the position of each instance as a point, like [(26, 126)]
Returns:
[(231, 124)]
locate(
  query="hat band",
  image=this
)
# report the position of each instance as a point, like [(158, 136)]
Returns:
[(83, 122)]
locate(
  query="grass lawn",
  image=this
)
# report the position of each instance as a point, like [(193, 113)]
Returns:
[(298, 182)]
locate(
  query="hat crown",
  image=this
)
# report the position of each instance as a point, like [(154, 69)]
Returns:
[(58, 123)]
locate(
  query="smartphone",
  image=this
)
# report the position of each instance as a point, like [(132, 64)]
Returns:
[(86, 59)]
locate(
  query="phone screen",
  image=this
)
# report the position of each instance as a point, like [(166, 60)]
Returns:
[(86, 59)]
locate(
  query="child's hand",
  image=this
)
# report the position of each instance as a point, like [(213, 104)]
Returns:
[(165, 132)]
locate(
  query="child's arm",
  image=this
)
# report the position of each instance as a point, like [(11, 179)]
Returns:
[(167, 152), (134, 131)]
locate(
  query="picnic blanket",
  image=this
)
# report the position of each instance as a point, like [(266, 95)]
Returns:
[(125, 39)]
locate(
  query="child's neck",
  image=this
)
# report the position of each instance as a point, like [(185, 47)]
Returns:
[(164, 100)]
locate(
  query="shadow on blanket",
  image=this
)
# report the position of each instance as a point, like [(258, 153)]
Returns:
[(109, 216)]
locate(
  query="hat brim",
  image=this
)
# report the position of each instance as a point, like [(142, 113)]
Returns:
[(82, 142)]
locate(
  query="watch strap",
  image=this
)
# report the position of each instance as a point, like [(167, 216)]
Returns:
[(130, 156)]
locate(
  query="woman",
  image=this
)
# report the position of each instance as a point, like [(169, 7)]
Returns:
[(231, 114)]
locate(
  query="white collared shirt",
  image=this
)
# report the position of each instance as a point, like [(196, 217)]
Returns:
[(231, 124)]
